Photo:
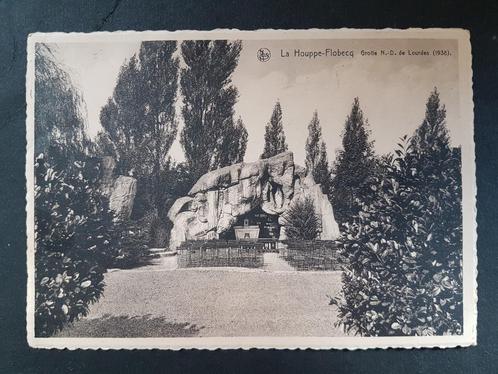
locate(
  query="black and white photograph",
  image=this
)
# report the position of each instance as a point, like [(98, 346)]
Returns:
[(251, 189)]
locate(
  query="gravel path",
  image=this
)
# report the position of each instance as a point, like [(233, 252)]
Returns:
[(273, 262), (213, 302)]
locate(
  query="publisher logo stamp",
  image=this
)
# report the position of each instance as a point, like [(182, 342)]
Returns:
[(263, 54)]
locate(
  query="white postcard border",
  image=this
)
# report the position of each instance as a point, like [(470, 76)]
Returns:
[(469, 336)]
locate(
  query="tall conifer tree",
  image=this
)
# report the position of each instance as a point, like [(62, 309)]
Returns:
[(432, 135), (274, 134), (354, 165), (316, 154), (322, 173), (313, 142)]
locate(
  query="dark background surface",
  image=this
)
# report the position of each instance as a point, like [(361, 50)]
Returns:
[(19, 18)]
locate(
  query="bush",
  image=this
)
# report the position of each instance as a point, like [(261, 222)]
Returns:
[(133, 242), (73, 243), (404, 249), (151, 215), (301, 221)]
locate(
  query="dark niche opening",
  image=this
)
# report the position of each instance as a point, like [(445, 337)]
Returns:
[(248, 224)]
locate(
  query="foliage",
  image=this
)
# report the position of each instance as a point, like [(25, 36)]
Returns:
[(354, 166), (274, 134), (210, 137), (152, 221), (432, 134), (73, 243), (139, 119), (121, 120), (140, 127), (312, 254), (322, 173), (313, 142), (132, 243), (176, 182), (301, 220), (59, 124), (316, 155), (103, 146), (404, 247), (234, 144)]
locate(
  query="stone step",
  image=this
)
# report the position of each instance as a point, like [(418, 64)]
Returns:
[(163, 252)]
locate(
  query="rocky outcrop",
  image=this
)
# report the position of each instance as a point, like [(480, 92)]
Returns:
[(120, 190), (108, 165), (220, 196), (122, 197)]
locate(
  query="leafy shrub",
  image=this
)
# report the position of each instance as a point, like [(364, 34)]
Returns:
[(159, 231), (73, 243), (404, 249), (133, 242), (151, 216), (301, 221)]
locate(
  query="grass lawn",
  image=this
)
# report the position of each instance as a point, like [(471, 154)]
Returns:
[(212, 302)]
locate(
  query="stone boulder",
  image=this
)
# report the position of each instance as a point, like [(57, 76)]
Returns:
[(122, 197), (220, 196), (120, 190), (107, 178)]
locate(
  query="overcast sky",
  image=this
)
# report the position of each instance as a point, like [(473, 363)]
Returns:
[(392, 90)]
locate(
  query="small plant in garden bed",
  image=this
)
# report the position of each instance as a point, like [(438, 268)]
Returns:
[(301, 220), (134, 240), (312, 255)]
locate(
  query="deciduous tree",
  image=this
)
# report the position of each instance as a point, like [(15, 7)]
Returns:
[(74, 227), (210, 136), (139, 119), (59, 120), (234, 144)]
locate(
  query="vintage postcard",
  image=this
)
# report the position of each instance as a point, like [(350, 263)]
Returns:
[(251, 189)]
